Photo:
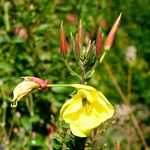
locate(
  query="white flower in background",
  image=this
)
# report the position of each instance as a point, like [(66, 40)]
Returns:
[(131, 54)]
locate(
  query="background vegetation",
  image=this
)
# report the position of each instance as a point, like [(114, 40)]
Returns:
[(29, 46)]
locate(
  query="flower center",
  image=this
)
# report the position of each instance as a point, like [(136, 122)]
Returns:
[(86, 105), (84, 101)]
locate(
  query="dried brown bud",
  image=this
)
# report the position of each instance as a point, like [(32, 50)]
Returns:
[(98, 43), (110, 38), (63, 42)]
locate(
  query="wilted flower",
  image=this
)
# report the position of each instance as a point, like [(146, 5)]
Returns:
[(87, 109), (26, 87)]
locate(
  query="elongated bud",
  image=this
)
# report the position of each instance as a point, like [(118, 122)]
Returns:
[(99, 43), (63, 42), (118, 146), (80, 35), (73, 43), (77, 49), (42, 83), (111, 35)]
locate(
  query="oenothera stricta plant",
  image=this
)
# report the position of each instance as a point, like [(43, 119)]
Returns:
[(88, 107)]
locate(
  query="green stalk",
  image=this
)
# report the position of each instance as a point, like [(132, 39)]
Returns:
[(70, 70), (90, 73), (6, 15), (103, 56)]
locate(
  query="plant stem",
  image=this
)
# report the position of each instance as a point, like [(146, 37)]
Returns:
[(83, 73), (79, 143), (103, 56), (140, 133), (125, 100), (70, 70), (114, 81), (6, 7), (12, 124), (89, 73), (129, 82)]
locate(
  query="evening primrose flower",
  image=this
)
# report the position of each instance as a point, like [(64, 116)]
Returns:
[(87, 109), (26, 87)]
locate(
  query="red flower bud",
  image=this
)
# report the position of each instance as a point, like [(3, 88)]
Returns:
[(99, 43), (110, 38), (52, 129), (63, 42), (42, 83)]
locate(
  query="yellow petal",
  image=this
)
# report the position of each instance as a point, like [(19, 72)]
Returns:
[(21, 90), (88, 119), (77, 132), (86, 110), (69, 112), (101, 104), (81, 86)]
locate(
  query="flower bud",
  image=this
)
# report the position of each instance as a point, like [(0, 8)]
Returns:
[(110, 38), (80, 35), (99, 43), (63, 42), (118, 146), (25, 87), (131, 54), (77, 49), (52, 129)]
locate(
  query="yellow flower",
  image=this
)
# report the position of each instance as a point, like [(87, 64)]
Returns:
[(87, 109), (26, 87)]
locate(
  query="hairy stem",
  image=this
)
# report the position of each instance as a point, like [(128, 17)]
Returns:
[(83, 73)]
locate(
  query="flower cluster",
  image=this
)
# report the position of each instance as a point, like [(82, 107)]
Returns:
[(88, 108)]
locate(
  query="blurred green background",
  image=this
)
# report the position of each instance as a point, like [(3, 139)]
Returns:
[(29, 46)]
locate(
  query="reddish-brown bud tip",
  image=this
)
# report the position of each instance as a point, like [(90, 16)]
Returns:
[(42, 83), (118, 146), (110, 38), (99, 43), (63, 42)]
